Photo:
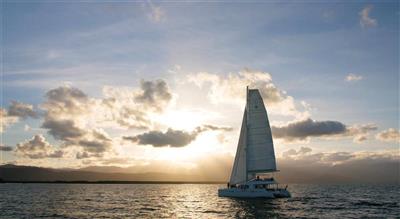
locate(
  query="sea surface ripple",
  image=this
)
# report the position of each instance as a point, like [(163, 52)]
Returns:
[(193, 201)]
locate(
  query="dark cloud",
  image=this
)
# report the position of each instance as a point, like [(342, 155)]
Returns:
[(66, 95), (15, 112), (308, 128), (62, 129), (85, 154), (93, 144), (5, 148), (21, 110), (66, 100), (98, 144), (154, 93), (304, 129), (65, 107), (37, 148), (172, 138)]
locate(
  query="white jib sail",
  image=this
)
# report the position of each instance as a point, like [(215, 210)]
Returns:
[(239, 171)]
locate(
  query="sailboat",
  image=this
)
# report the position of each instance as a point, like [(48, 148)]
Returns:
[(255, 156)]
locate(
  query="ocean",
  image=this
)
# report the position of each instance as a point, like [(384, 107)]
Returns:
[(193, 201)]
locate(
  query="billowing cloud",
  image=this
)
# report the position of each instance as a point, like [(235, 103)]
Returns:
[(172, 138), (63, 129), (130, 108), (353, 77), (5, 148), (37, 148), (78, 120), (71, 117), (15, 112), (365, 19), (21, 110), (389, 135), (66, 100), (231, 89), (302, 130), (154, 94)]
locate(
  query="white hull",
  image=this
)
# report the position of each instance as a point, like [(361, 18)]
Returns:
[(253, 193)]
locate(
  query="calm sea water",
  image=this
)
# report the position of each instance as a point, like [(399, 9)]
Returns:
[(193, 201)]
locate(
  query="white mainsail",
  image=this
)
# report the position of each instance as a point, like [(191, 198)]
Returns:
[(255, 152)]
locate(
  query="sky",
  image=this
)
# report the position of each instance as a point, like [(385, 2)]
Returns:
[(160, 86)]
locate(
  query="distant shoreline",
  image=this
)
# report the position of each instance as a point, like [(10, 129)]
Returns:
[(114, 182)]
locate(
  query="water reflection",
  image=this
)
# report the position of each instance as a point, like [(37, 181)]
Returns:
[(255, 208), (192, 201)]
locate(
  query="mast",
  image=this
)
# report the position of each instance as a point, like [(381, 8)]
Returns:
[(247, 119)]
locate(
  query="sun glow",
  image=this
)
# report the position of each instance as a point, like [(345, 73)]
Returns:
[(205, 144), (187, 119)]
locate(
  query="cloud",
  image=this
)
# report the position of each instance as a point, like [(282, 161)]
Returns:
[(353, 77), (78, 120), (172, 138), (63, 129), (304, 129), (65, 100), (5, 148), (365, 19), (70, 116), (6, 120), (37, 148), (360, 132), (21, 110), (389, 135), (213, 128), (308, 128), (231, 89), (154, 94), (130, 108), (340, 166), (293, 152), (305, 155), (15, 112)]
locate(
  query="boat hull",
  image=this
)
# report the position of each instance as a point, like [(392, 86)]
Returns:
[(253, 193)]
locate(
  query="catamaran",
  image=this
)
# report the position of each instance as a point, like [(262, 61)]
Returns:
[(255, 156)]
